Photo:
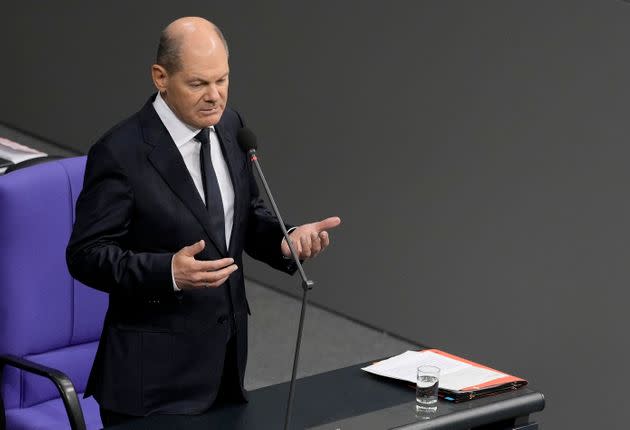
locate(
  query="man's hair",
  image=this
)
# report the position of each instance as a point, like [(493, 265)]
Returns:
[(169, 48)]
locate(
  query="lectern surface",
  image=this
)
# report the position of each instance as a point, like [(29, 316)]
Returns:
[(320, 399)]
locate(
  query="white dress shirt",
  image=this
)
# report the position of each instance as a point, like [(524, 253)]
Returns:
[(184, 137)]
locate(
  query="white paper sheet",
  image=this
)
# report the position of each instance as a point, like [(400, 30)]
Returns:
[(454, 374)]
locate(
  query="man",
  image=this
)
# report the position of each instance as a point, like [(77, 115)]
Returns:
[(168, 205)]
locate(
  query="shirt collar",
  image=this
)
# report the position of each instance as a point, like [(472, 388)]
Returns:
[(180, 132)]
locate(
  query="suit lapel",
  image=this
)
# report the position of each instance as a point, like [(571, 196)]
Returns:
[(168, 161), (232, 155)]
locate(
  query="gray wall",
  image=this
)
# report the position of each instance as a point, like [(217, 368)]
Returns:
[(476, 152)]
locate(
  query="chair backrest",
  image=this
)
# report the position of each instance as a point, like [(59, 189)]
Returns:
[(45, 315)]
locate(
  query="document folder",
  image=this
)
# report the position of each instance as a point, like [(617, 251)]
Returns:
[(460, 379)]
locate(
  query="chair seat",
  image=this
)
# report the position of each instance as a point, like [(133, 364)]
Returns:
[(52, 415)]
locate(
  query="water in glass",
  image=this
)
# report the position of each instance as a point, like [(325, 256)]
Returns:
[(427, 393)]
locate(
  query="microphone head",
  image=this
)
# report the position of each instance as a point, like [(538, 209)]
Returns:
[(247, 139)]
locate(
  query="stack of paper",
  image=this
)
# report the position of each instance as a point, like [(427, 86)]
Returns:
[(460, 379)]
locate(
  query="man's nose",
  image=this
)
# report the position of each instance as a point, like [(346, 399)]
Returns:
[(212, 94)]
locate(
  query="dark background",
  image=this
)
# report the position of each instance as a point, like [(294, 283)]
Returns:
[(476, 151)]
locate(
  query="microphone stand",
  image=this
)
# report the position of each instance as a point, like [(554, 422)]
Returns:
[(307, 284)]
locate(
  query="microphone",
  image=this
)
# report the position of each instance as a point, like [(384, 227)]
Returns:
[(247, 141)]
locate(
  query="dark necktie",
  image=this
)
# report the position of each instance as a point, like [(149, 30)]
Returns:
[(214, 204)]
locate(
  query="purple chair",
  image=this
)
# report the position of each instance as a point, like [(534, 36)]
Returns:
[(49, 323)]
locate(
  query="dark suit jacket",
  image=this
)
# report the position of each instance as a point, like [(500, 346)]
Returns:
[(161, 351)]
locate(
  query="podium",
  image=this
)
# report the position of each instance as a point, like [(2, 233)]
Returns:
[(350, 398)]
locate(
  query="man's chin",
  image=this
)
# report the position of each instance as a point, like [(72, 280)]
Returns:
[(207, 119)]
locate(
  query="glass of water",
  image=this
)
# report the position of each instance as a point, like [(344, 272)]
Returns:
[(427, 388)]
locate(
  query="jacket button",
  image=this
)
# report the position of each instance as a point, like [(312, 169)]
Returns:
[(222, 319)]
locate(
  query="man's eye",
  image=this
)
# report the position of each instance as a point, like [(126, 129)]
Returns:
[(195, 84)]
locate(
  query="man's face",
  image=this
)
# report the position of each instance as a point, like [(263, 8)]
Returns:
[(197, 92)]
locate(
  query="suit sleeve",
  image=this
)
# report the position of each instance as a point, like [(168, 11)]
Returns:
[(98, 253)]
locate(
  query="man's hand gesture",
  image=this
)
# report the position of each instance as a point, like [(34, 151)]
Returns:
[(310, 239), (192, 273)]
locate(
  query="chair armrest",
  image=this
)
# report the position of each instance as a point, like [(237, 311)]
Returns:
[(61, 381)]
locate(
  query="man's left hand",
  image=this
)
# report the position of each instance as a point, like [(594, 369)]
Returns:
[(310, 239)]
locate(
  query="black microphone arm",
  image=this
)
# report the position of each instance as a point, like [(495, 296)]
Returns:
[(247, 140), (306, 283)]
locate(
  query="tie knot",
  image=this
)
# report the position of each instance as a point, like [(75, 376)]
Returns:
[(203, 136)]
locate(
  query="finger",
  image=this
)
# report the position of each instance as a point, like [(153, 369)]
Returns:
[(212, 265), (324, 239), (286, 250), (213, 276), (327, 223), (306, 246), (297, 246), (316, 244), (193, 249), (217, 283)]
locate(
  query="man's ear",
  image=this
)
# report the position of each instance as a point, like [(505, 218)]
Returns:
[(160, 78)]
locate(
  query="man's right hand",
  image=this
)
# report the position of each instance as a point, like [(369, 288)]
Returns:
[(189, 272)]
